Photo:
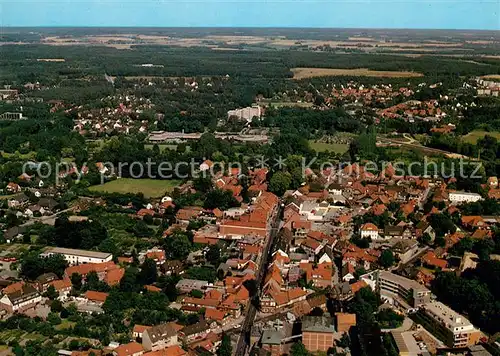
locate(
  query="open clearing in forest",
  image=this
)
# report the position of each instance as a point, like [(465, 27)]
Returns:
[(475, 135), (151, 188), (302, 73)]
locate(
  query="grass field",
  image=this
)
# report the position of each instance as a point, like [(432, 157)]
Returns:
[(302, 73), (151, 188), (65, 324), (332, 147), (473, 136)]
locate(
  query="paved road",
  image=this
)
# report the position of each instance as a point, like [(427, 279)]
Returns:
[(420, 147), (47, 219), (251, 311), (407, 325)]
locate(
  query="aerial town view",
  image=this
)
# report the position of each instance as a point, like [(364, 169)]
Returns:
[(279, 183)]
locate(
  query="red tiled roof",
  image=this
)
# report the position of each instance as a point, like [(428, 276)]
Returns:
[(175, 350), (114, 277), (214, 314), (156, 255), (89, 267), (96, 296), (369, 227), (140, 328), (144, 212), (431, 259), (151, 288), (355, 287), (61, 284), (129, 349)]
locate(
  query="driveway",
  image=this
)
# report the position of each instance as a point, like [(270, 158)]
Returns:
[(407, 325)]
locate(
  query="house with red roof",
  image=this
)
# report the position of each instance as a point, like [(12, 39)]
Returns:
[(157, 255), (369, 230), (143, 212), (114, 276), (96, 297), (431, 260), (130, 349), (217, 316)]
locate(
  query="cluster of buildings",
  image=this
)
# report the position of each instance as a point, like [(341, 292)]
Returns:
[(414, 109), (455, 330), (359, 93), (487, 87), (121, 115)]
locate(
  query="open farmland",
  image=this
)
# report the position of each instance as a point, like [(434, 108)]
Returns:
[(151, 188), (475, 135), (303, 73)]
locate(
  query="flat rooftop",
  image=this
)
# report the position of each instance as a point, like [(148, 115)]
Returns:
[(406, 343), (466, 193), (320, 324), (447, 315), (405, 282), (75, 252)]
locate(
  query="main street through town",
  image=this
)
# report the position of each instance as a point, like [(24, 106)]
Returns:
[(251, 310)]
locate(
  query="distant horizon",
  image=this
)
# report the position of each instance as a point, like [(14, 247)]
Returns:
[(248, 27), (347, 14)]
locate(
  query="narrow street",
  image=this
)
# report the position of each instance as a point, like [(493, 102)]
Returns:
[(251, 311)]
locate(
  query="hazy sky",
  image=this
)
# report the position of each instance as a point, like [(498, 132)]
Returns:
[(459, 14)]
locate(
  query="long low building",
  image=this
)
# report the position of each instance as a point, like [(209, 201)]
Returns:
[(75, 257)]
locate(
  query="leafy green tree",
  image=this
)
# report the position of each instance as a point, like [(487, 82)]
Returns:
[(178, 246), (32, 265), (202, 273), (442, 224), (56, 306), (53, 319), (51, 293), (225, 348), (213, 255), (345, 341), (195, 293), (359, 272), (386, 258), (76, 281), (280, 182), (298, 349), (389, 319), (222, 199), (148, 273)]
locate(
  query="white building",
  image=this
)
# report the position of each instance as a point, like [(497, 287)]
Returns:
[(369, 230), (75, 257), (23, 298), (464, 197), (246, 114)]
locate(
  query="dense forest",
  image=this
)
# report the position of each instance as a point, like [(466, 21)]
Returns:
[(19, 63)]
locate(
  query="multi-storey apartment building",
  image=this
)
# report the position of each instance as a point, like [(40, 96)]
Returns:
[(449, 326), (401, 291)]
